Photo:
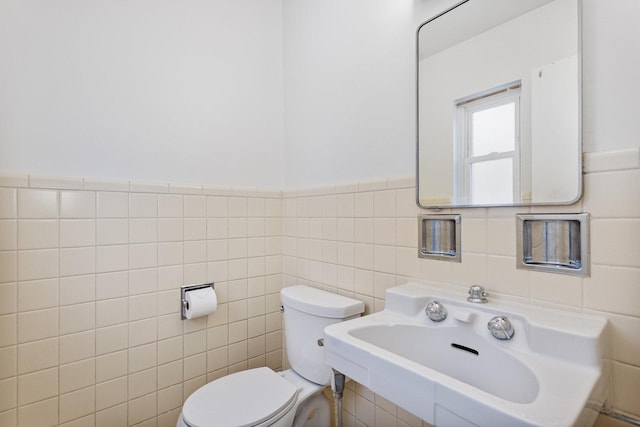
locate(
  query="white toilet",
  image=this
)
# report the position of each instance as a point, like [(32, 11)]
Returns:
[(262, 397)]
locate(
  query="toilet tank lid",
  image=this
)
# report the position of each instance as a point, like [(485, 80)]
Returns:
[(320, 303)]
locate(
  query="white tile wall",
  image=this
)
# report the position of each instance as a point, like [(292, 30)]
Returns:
[(90, 332)]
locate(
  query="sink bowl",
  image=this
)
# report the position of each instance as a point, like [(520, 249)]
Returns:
[(455, 373), (476, 362)]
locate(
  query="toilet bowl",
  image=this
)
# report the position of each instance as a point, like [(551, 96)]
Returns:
[(261, 397), (257, 397)]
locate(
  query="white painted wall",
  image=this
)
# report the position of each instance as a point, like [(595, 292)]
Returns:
[(350, 85), (349, 82), (611, 76), (183, 91), (192, 91)]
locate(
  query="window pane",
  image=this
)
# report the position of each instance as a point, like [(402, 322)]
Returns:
[(493, 130), (492, 181)]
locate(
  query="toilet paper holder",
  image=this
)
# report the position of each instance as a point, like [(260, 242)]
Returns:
[(184, 304)]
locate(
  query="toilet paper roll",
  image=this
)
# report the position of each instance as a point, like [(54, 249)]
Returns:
[(200, 302)]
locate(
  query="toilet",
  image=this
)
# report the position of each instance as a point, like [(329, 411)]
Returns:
[(261, 397)]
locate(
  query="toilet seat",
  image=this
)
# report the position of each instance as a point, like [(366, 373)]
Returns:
[(243, 399)]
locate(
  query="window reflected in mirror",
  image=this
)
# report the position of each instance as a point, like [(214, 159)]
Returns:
[(487, 138)]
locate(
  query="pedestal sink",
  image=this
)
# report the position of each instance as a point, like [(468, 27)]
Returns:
[(454, 373)]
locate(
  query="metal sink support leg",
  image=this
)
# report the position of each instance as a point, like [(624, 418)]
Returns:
[(337, 385)]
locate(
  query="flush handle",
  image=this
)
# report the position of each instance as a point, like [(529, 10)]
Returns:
[(320, 342)]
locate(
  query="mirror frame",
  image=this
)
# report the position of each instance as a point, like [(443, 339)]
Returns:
[(580, 125)]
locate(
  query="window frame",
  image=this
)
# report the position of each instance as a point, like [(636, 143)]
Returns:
[(464, 109)]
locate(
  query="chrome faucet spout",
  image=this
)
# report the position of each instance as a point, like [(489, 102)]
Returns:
[(477, 294)]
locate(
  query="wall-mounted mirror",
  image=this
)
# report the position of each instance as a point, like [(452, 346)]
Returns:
[(499, 104)]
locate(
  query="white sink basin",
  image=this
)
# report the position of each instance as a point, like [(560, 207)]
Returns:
[(434, 348), (455, 373)]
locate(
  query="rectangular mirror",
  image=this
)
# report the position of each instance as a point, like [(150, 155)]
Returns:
[(499, 105)]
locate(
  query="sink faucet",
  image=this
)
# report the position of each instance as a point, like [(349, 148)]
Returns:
[(436, 311), (501, 328), (477, 294)]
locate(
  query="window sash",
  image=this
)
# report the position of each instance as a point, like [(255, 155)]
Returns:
[(465, 108)]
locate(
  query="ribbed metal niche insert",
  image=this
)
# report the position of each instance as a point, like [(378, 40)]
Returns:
[(439, 237), (553, 243)]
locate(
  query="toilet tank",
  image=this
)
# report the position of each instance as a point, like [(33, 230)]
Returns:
[(307, 311)]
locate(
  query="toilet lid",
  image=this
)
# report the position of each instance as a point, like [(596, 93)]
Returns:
[(241, 399)]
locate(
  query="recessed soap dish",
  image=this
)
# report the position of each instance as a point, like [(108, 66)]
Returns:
[(553, 243), (439, 237)]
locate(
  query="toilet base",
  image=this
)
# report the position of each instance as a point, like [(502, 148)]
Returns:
[(314, 412)]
